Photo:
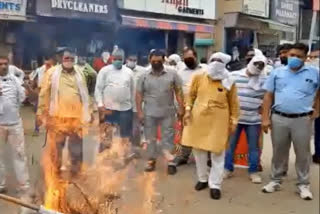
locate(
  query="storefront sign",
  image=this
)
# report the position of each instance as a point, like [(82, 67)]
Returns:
[(103, 10), (13, 9), (285, 11), (193, 8), (256, 8)]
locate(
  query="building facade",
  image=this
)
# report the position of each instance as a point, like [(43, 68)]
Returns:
[(167, 24), (262, 24)]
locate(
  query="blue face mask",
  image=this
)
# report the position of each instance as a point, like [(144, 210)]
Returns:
[(117, 64), (294, 62)]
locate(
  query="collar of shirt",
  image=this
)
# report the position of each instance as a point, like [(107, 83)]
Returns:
[(304, 68), (158, 73), (67, 72), (195, 69)]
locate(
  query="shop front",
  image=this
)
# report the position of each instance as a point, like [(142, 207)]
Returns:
[(167, 25), (12, 17), (86, 26), (243, 31)]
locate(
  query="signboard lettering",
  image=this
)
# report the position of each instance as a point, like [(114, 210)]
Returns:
[(204, 9), (103, 10), (13, 9), (79, 6), (285, 11)]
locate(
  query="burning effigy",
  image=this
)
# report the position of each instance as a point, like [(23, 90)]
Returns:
[(97, 189)]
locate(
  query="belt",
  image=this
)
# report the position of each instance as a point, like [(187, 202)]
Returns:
[(292, 115)]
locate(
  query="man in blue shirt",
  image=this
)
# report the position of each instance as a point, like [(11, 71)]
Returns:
[(291, 101)]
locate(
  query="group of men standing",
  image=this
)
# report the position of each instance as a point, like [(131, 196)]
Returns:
[(216, 106)]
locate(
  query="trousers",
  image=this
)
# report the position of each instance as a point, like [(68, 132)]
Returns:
[(167, 135), (317, 137), (284, 131), (14, 136), (215, 177), (253, 135)]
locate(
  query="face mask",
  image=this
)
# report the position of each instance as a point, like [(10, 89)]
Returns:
[(68, 65), (158, 66), (190, 62), (216, 71), (284, 60), (131, 64), (117, 64), (105, 57), (294, 62)]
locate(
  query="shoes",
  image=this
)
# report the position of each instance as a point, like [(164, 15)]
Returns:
[(255, 178), (271, 187), (215, 194), (3, 190), (172, 170), (316, 159), (201, 186), (151, 166), (227, 174), (181, 161), (304, 192)]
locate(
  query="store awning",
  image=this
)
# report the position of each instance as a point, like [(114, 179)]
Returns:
[(276, 25), (165, 24), (244, 21)]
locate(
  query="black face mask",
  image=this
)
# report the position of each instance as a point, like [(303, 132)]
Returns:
[(190, 62), (284, 60), (157, 66)]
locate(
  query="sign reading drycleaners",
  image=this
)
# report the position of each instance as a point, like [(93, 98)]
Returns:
[(13, 9), (80, 6), (204, 9), (103, 10)]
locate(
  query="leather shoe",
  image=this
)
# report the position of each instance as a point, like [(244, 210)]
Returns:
[(201, 186), (215, 194), (172, 170)]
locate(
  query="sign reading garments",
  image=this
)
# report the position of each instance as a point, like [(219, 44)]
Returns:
[(204, 9), (103, 10), (13, 9)]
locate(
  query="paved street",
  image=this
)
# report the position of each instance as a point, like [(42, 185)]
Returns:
[(178, 196)]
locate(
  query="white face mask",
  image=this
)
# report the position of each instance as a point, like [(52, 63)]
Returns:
[(254, 70), (216, 71), (131, 64), (105, 56)]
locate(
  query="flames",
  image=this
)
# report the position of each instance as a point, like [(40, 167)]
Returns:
[(100, 188)]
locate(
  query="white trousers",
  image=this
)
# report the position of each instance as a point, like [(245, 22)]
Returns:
[(215, 176), (14, 136)]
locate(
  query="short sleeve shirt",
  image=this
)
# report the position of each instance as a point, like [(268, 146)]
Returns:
[(294, 92), (158, 92)]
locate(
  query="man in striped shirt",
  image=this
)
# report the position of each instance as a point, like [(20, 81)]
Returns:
[(249, 82)]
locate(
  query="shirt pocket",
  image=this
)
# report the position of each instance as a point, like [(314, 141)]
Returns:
[(280, 84), (219, 100), (308, 86)]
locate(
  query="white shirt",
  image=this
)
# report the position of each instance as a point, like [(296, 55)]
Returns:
[(115, 88), (13, 94), (17, 72), (38, 73), (136, 73), (186, 75)]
